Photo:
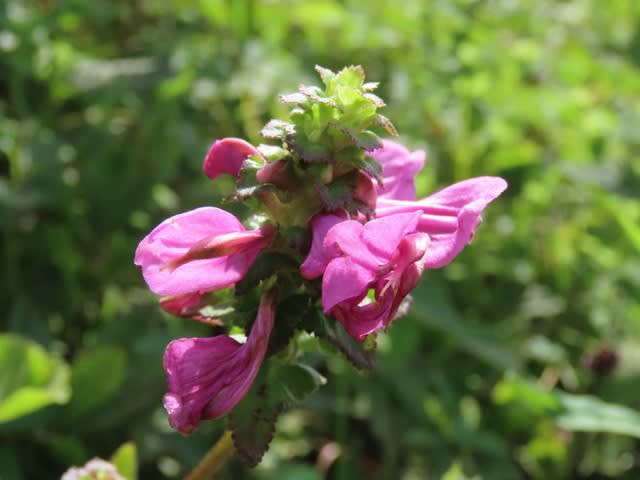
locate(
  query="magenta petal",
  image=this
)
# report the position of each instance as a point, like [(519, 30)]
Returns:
[(470, 197), (365, 318), (174, 237), (227, 156), (181, 305), (318, 256), (399, 169), (189, 363), (344, 280), (383, 235), (207, 377)]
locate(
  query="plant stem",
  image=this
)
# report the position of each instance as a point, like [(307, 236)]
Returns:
[(214, 460)]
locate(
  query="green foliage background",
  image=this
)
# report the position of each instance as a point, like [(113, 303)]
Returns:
[(502, 369)]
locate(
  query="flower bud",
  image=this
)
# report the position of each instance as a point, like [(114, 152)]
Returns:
[(227, 156)]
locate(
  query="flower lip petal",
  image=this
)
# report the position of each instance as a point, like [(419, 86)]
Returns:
[(172, 240), (450, 216), (344, 280)]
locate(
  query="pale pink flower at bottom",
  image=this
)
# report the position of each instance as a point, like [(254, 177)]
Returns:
[(93, 469), (208, 377)]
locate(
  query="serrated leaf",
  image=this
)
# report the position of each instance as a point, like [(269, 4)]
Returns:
[(243, 193), (125, 459), (290, 313), (293, 98), (315, 94), (376, 100), (326, 75), (252, 421), (32, 378), (367, 164), (331, 330), (272, 152), (352, 76), (384, 122), (366, 140), (370, 86), (266, 265), (277, 129), (96, 377), (334, 195), (346, 96)]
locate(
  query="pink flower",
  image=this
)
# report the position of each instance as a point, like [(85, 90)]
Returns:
[(208, 377), (383, 255), (450, 216), (199, 251), (399, 168), (227, 156)]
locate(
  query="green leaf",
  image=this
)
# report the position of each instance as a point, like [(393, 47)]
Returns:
[(290, 312), (277, 129), (96, 377), (272, 152), (252, 421), (332, 331), (265, 266), (125, 459), (384, 122), (31, 378), (316, 95), (368, 165), (352, 76), (366, 140), (326, 75), (293, 98), (585, 413)]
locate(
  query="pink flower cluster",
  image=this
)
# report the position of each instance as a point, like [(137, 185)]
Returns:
[(367, 268)]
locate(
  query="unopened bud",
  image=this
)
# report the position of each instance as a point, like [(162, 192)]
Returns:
[(227, 156)]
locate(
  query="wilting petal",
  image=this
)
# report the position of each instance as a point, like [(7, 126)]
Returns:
[(450, 216), (399, 169), (207, 377), (227, 156), (160, 253), (318, 256)]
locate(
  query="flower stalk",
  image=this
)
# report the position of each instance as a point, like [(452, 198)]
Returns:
[(214, 460)]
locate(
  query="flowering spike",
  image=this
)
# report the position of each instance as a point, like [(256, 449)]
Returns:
[(324, 188)]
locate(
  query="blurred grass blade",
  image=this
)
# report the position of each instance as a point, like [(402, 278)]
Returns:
[(586, 413)]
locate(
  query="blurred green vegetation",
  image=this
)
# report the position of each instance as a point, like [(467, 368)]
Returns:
[(519, 360)]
